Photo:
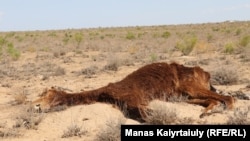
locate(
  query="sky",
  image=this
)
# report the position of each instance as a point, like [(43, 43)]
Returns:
[(29, 15)]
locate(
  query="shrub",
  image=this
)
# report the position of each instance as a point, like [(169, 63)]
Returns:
[(153, 57), (59, 71), (130, 36), (228, 48), (166, 34), (28, 118), (78, 38), (90, 71), (160, 114), (240, 117), (111, 130), (20, 98), (225, 76), (13, 52), (73, 130), (245, 41), (238, 31), (112, 64), (187, 45), (209, 37)]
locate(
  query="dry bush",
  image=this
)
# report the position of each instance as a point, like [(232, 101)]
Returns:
[(28, 118), (241, 116), (225, 76), (89, 72), (19, 98), (160, 114), (111, 130), (113, 64), (8, 133), (48, 69), (74, 130), (59, 71)]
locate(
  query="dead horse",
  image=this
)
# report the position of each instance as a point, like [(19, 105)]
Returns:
[(136, 90)]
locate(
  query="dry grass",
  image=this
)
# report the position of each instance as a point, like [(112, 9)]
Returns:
[(241, 116), (111, 130), (225, 76), (74, 130), (160, 114), (113, 63), (19, 98), (9, 133), (28, 118), (89, 72)]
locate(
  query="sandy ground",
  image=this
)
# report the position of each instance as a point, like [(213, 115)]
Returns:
[(91, 118)]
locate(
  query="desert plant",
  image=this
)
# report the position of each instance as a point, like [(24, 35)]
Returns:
[(78, 38), (13, 52), (3, 41), (28, 118), (187, 45), (130, 36), (225, 76), (238, 31), (74, 130), (240, 117), (59, 71), (111, 130), (228, 48), (90, 71), (160, 114), (113, 63), (20, 98), (153, 57), (7, 133), (209, 37), (166, 34), (244, 41)]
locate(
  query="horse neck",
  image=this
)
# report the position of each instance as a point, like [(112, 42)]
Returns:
[(85, 97)]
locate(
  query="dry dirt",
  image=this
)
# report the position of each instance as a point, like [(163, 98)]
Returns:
[(35, 70)]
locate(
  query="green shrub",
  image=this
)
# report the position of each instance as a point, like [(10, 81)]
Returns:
[(2, 41), (130, 36), (228, 48), (13, 52), (78, 38), (153, 57), (166, 34), (245, 41), (187, 45), (238, 31)]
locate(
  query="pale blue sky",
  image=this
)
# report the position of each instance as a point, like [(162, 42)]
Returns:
[(20, 15)]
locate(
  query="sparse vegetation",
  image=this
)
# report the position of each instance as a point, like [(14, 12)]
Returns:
[(74, 130), (78, 38), (225, 76), (187, 45), (166, 34), (111, 130), (160, 114), (82, 59), (241, 116), (229, 48), (244, 41), (130, 36), (90, 71), (28, 118)]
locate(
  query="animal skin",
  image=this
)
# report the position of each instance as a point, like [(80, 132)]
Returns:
[(136, 90)]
